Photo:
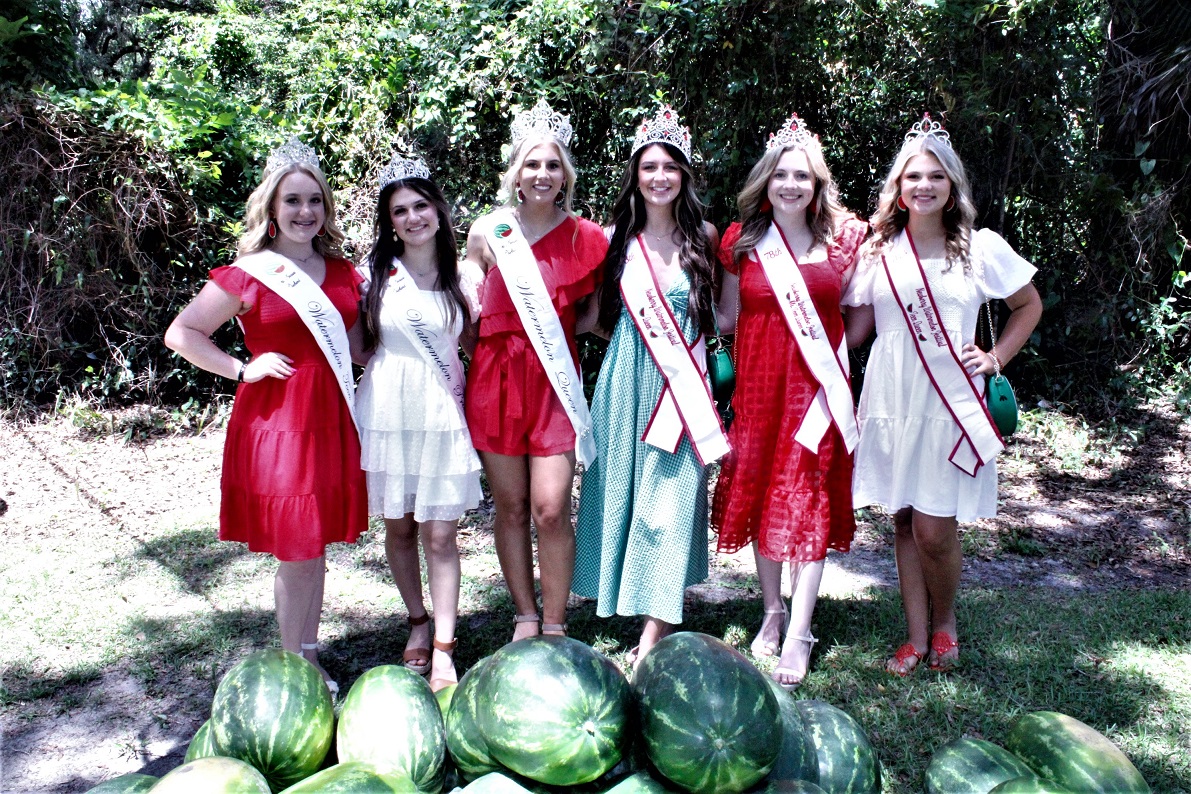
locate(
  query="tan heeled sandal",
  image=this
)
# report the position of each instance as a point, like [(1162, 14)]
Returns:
[(417, 659), (448, 648)]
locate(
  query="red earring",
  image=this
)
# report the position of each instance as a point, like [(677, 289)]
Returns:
[(950, 205), (901, 204), (520, 195), (322, 231), (766, 206), (271, 230)]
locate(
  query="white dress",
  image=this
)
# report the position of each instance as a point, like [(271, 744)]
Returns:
[(906, 433), (415, 447)]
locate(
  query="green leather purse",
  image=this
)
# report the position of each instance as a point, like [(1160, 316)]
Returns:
[(998, 394), (722, 374)]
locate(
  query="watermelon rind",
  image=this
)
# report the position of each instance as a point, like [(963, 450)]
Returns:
[(1072, 754), (555, 710), (443, 698), (273, 711), (797, 759), (848, 764), (132, 783), (790, 787), (202, 745), (972, 766), (354, 777), (465, 743), (391, 719), (1029, 784), (495, 783), (639, 783), (213, 775), (710, 721)]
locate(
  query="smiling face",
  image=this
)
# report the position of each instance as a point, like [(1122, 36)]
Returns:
[(299, 208), (924, 185), (414, 217), (659, 176), (541, 175), (792, 184)]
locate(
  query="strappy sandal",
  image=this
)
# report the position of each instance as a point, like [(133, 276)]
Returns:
[(448, 648), (417, 659), (332, 686), (905, 660), (531, 617), (942, 643), (790, 686), (764, 648), (554, 629)]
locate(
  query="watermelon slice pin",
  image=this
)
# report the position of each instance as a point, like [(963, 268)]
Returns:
[(503, 230), (279, 269)]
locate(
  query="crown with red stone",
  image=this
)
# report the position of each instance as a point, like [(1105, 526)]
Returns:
[(403, 168), (663, 128), (928, 128), (792, 133), (290, 152), (541, 122)]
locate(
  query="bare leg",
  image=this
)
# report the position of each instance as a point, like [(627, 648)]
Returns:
[(443, 570), (401, 550), (769, 574), (805, 578), (652, 632), (941, 558), (911, 581), (298, 594), (551, 480), (508, 477)]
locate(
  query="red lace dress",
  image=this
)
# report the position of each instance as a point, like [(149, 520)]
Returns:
[(511, 407), (771, 489), (291, 480)]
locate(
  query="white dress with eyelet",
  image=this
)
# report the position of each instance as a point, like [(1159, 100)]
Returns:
[(415, 447), (906, 432)]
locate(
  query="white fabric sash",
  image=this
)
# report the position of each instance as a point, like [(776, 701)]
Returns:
[(833, 400), (528, 291), (979, 441), (319, 315), (685, 403), (439, 351)]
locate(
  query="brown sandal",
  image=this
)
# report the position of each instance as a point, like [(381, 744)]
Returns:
[(449, 648), (417, 659)]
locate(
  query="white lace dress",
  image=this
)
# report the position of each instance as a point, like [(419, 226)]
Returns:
[(415, 447), (906, 433)]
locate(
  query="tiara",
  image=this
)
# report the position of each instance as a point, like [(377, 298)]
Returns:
[(928, 128), (403, 168), (541, 121), (663, 128), (792, 133), (290, 152)]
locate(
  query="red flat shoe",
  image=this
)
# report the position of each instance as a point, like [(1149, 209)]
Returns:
[(941, 644), (905, 660)]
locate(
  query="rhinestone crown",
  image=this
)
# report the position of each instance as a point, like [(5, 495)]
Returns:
[(403, 168), (928, 128), (290, 152), (792, 133), (541, 121), (663, 128)]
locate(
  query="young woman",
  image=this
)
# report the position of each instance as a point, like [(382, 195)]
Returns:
[(642, 528), (423, 473), (786, 486), (525, 404), (291, 479), (927, 444)]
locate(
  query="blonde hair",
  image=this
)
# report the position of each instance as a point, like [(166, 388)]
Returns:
[(508, 182), (958, 221), (260, 206), (823, 215)]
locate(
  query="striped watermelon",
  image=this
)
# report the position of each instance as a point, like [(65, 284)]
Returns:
[(554, 710), (495, 783), (443, 697), (132, 783), (201, 746), (709, 719), (1074, 755), (797, 760), (847, 762), (972, 766), (354, 777), (791, 787), (273, 711), (214, 775), (391, 720), (638, 783), (466, 744), (1029, 784)]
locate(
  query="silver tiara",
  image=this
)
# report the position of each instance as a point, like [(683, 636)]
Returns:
[(403, 168), (792, 133), (663, 128), (290, 152), (928, 128), (541, 122)]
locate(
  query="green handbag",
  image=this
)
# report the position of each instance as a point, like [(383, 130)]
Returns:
[(998, 394), (722, 374)]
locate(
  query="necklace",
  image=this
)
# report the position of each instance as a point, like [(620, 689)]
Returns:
[(531, 234), (669, 235), (303, 259)]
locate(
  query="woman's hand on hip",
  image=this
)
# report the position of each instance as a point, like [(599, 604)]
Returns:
[(268, 365)]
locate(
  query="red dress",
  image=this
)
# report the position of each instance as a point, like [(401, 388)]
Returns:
[(771, 489), (511, 407), (291, 480)]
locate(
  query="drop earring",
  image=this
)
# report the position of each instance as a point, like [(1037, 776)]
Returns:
[(271, 229)]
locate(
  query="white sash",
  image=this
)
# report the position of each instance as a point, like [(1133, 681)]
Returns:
[(297, 289), (439, 351), (833, 400), (519, 267), (685, 403), (979, 440)]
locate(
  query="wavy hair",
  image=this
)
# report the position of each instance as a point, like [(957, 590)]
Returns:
[(260, 207), (508, 182), (694, 252)]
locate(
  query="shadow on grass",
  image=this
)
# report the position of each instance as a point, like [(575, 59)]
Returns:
[(195, 556)]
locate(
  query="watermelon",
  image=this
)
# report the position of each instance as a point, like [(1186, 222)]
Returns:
[(1029, 784), (708, 717), (355, 777), (495, 783), (791, 787), (273, 711), (201, 746), (391, 720), (554, 710), (972, 766), (847, 762), (465, 743), (132, 783), (1076, 756), (797, 760), (213, 775), (443, 698), (638, 783)]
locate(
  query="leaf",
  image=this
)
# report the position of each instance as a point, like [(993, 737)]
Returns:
[(1147, 166)]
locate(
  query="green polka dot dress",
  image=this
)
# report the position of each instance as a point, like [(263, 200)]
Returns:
[(641, 536)]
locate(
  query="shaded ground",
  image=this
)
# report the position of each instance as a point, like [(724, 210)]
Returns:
[(102, 515)]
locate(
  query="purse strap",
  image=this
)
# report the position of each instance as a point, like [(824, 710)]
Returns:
[(992, 336)]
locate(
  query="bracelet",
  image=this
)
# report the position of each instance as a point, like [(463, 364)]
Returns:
[(240, 374)]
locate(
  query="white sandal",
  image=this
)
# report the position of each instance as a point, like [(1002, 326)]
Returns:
[(332, 687), (790, 687), (769, 647)]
